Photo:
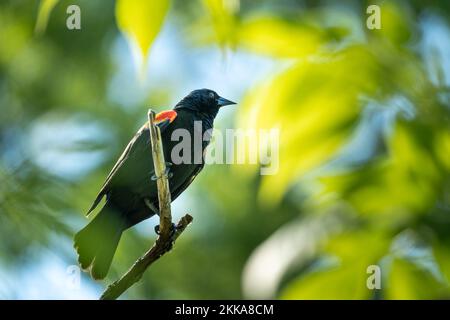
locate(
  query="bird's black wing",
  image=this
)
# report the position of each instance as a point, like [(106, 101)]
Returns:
[(186, 184), (138, 140), (175, 193)]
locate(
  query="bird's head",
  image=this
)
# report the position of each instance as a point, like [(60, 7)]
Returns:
[(205, 101)]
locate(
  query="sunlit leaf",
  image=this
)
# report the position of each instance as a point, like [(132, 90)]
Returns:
[(222, 17), (363, 245), (344, 282), (280, 38), (408, 281), (315, 104), (396, 23), (266, 33), (140, 21), (15, 34), (45, 8)]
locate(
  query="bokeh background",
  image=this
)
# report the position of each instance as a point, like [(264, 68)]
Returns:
[(364, 144)]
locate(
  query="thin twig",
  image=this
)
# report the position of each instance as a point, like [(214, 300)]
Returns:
[(165, 240), (134, 274)]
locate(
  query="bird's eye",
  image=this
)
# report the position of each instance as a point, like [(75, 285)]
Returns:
[(211, 95)]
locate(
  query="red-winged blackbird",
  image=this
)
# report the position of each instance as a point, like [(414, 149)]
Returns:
[(130, 188)]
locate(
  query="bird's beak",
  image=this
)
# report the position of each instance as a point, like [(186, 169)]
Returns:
[(224, 102)]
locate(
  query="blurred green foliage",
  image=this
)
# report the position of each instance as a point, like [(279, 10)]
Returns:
[(141, 22), (387, 195)]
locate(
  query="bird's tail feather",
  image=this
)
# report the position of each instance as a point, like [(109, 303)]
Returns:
[(97, 242)]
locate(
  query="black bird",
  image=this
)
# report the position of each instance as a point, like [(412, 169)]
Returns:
[(130, 188)]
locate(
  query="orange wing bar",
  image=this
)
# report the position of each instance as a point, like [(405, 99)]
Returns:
[(166, 115)]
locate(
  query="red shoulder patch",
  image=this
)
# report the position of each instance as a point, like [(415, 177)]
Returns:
[(166, 115)]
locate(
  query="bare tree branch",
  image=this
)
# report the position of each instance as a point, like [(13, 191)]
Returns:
[(165, 239)]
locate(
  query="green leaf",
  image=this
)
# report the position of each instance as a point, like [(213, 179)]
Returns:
[(403, 183), (442, 255), (356, 251), (140, 21), (222, 17), (442, 147), (343, 282), (396, 23), (367, 246), (407, 281), (315, 104), (281, 38), (45, 8)]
